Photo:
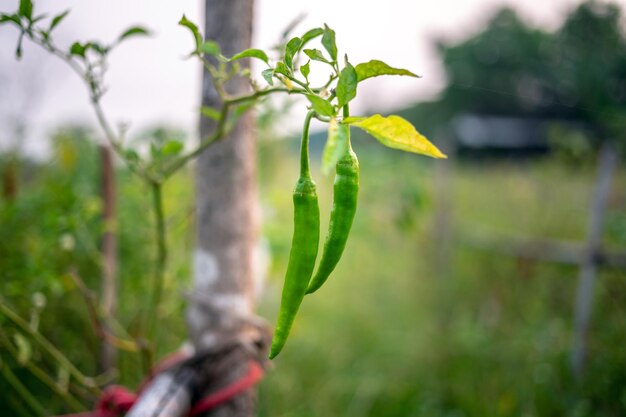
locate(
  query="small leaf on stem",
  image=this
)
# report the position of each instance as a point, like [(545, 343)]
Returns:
[(78, 49), (328, 41), (306, 70), (194, 30), (209, 48), (133, 31), (26, 9), (251, 53), (281, 68), (291, 49), (346, 86), (210, 112), (4, 18), (171, 147), (316, 55), (311, 34), (57, 19), (320, 105), (374, 68), (268, 75)]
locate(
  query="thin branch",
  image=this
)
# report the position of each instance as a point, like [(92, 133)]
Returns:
[(45, 344), (97, 316), (26, 395), (161, 260), (40, 374)]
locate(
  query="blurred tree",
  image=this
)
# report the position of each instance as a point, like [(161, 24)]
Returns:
[(577, 72)]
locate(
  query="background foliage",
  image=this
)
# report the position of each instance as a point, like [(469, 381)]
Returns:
[(389, 335)]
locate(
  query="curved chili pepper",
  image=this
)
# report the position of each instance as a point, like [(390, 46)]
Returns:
[(345, 195), (304, 246)]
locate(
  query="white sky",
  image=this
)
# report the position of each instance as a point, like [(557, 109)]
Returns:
[(150, 83)]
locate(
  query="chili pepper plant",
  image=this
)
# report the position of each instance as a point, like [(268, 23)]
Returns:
[(287, 73)]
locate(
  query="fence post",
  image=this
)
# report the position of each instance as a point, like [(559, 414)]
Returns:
[(607, 163)]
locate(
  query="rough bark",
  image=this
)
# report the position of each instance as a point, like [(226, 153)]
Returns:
[(226, 202), (223, 330), (226, 194)]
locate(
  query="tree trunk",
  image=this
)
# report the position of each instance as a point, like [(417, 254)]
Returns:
[(226, 192), (225, 334), (226, 204)]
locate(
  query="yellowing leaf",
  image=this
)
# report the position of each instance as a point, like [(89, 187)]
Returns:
[(395, 132)]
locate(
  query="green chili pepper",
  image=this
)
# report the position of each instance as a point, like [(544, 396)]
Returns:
[(345, 195), (304, 246)]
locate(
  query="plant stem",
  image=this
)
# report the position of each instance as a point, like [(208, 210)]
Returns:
[(69, 399), (160, 263), (45, 344), (304, 146), (32, 402)]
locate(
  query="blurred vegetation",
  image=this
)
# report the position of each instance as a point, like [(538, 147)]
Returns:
[(576, 73), (390, 334)]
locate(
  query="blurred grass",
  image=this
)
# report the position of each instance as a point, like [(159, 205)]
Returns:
[(387, 335)]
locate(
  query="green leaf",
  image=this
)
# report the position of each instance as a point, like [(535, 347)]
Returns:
[(78, 49), (209, 48), (131, 156), (133, 31), (374, 68), (268, 74), (281, 68), (171, 147), (291, 49), (57, 19), (346, 86), (10, 18), (336, 145), (306, 70), (194, 30), (320, 105), (328, 41), (251, 53), (311, 34), (395, 132), (96, 47), (316, 55), (210, 112), (26, 9), (24, 349)]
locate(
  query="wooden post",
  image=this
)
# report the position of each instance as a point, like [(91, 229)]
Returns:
[(109, 287), (607, 164)]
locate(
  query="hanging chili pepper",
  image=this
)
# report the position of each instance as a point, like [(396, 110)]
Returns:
[(345, 196), (304, 246)]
